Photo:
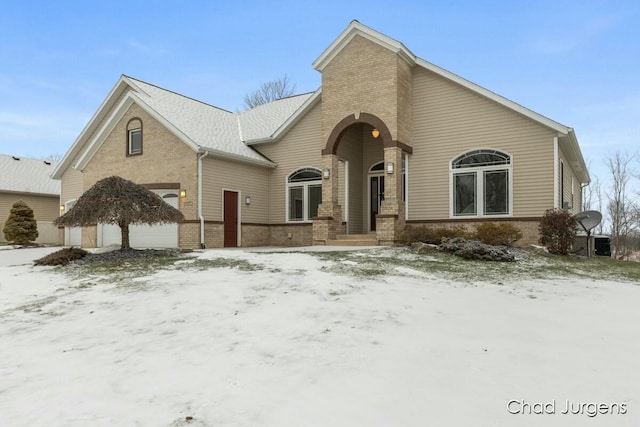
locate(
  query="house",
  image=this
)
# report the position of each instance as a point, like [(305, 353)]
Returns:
[(29, 180), (388, 140)]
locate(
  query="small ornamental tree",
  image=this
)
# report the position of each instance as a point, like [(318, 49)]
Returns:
[(557, 231), (21, 227), (116, 200)]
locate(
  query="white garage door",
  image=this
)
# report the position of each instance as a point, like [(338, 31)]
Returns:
[(72, 235), (144, 236)]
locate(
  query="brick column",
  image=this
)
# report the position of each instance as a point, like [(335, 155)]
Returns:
[(390, 221), (328, 223)]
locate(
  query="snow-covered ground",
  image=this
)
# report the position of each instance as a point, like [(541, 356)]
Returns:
[(282, 340)]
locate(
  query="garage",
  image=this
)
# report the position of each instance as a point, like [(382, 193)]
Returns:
[(144, 236)]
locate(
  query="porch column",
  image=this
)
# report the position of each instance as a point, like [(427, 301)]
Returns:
[(328, 223), (390, 221)]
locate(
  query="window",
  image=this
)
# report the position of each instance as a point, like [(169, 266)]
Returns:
[(134, 137), (481, 183), (304, 194)]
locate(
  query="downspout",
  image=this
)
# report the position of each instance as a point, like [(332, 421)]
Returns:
[(202, 245), (556, 190)]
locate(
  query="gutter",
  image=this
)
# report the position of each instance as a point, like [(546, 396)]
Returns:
[(202, 156)]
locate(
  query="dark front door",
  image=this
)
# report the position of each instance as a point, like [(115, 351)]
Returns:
[(230, 219), (376, 195)]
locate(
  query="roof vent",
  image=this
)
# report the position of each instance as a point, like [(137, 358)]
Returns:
[(15, 158), (47, 163)]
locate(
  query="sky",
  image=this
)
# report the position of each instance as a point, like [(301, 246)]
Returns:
[(576, 62)]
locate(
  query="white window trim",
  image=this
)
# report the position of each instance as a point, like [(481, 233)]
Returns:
[(305, 195), (479, 170), (129, 133)]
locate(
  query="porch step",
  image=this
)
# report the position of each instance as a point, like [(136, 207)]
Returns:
[(354, 240)]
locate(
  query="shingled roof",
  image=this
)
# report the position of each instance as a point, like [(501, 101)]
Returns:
[(22, 175)]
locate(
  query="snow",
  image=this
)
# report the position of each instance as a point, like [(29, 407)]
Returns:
[(290, 342)]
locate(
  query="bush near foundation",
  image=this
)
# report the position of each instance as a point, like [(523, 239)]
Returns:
[(557, 231), (495, 234), (432, 235), (21, 227)]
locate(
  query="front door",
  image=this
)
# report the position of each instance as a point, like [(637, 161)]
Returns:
[(376, 195), (230, 219)]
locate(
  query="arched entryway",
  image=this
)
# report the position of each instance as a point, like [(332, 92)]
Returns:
[(355, 145)]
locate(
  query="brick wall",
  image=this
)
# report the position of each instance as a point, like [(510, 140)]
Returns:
[(164, 159)]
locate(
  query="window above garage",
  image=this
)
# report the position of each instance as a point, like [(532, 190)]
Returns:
[(134, 137)]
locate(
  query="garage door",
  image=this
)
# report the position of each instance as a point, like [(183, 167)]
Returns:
[(72, 235), (144, 236)]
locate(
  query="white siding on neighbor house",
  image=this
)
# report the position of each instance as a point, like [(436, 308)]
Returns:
[(301, 147), (450, 120), (249, 180)]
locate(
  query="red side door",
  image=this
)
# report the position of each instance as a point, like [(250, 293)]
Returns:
[(230, 219)]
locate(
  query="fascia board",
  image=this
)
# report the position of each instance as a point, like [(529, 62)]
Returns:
[(236, 157), (356, 28), (95, 120)]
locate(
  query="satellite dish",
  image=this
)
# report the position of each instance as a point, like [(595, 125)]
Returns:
[(589, 220)]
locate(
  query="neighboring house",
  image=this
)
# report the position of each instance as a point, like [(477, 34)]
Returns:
[(29, 180), (389, 139)]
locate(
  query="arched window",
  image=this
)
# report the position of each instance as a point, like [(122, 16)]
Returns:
[(481, 184), (134, 137), (304, 194)]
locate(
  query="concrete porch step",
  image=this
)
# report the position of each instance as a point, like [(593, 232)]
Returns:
[(354, 240), (356, 237)]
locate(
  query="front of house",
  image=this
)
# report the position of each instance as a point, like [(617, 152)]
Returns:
[(388, 140)]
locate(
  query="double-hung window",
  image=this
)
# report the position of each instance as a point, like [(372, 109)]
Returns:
[(481, 184), (304, 194), (134, 137)]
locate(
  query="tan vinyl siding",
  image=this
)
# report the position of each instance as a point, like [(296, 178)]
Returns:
[(45, 210), (450, 120), (575, 202), (71, 185), (223, 174), (300, 147)]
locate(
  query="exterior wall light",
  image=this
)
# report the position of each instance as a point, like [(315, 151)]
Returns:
[(375, 133), (183, 194), (247, 200), (326, 173), (61, 208), (390, 167)]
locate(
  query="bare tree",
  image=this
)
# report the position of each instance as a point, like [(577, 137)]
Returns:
[(54, 157), (115, 200), (270, 91), (592, 200), (620, 206)]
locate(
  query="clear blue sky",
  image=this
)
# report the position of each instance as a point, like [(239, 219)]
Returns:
[(577, 62)]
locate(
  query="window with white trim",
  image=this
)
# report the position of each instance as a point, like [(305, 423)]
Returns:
[(304, 194), (134, 137), (481, 184)]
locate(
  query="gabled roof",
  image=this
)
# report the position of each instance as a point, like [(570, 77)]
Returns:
[(204, 127), (355, 28), (201, 126), (22, 175)]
